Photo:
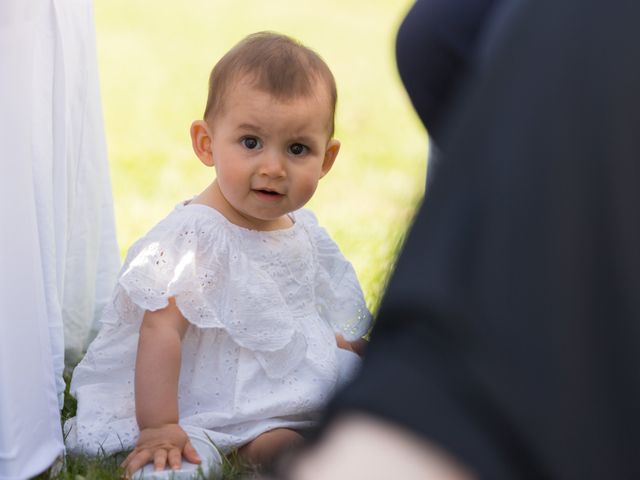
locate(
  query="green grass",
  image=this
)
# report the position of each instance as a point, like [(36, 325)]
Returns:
[(155, 58)]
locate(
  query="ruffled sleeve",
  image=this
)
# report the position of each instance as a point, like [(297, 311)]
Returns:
[(174, 259), (339, 298), (195, 259)]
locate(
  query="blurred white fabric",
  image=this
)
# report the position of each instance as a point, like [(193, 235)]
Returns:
[(58, 250)]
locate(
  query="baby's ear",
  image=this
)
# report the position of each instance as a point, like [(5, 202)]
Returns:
[(201, 142), (330, 154)]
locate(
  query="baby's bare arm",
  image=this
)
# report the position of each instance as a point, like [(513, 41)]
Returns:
[(156, 392), (158, 366)]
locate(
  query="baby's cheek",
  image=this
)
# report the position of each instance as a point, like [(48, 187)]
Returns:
[(233, 182), (306, 189)]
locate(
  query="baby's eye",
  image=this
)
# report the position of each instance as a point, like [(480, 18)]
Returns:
[(298, 149), (250, 142)]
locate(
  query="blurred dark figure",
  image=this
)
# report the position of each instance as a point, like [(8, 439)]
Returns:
[(436, 50), (509, 336)]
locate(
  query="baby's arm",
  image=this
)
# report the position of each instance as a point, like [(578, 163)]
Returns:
[(158, 361), (357, 346)]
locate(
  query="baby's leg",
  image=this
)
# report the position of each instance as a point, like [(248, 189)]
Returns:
[(265, 448)]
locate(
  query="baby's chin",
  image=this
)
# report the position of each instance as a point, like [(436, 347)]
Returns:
[(267, 221)]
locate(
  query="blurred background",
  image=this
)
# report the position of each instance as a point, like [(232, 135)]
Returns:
[(155, 59)]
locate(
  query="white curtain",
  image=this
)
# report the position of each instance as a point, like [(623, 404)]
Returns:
[(58, 251)]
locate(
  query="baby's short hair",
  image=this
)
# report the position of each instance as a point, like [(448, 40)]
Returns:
[(274, 63)]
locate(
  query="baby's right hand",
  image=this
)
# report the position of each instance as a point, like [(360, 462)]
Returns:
[(161, 445)]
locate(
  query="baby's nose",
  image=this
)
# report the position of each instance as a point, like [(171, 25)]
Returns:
[(272, 165)]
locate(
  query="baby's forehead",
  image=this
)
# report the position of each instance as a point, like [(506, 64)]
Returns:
[(317, 88), (245, 89)]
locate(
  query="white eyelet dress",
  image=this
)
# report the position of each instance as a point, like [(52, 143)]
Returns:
[(260, 352)]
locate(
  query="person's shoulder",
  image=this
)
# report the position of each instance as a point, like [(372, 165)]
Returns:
[(187, 225), (309, 222), (192, 219), (319, 235), (306, 217)]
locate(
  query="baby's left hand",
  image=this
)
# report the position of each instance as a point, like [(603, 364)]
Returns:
[(357, 346)]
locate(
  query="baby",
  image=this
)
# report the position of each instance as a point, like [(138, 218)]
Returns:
[(236, 317)]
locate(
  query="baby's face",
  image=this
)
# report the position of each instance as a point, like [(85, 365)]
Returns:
[(270, 154)]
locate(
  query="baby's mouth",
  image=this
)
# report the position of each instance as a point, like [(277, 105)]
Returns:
[(267, 195), (268, 192)]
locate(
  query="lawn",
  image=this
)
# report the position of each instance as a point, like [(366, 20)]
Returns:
[(154, 60)]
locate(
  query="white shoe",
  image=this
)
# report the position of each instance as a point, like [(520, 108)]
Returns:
[(210, 466)]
